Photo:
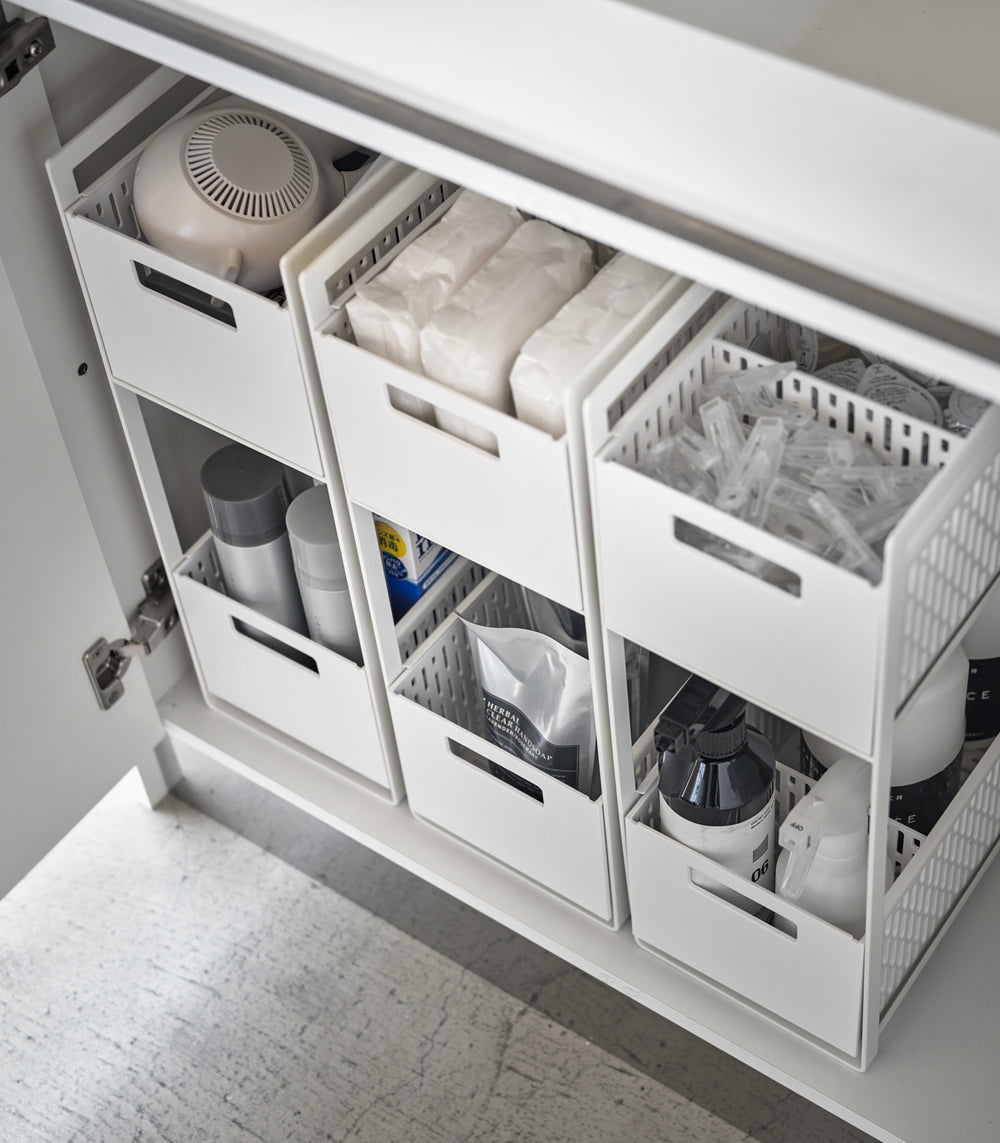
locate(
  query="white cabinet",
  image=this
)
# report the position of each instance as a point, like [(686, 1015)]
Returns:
[(832, 201)]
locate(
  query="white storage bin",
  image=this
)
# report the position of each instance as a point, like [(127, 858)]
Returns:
[(307, 691), (814, 980), (249, 666), (830, 657), (291, 683), (554, 835), (205, 346), (511, 509)]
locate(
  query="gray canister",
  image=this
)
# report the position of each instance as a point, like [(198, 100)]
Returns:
[(247, 500), (319, 569)]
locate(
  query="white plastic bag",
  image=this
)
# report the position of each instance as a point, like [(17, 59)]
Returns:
[(388, 312), (553, 358), (537, 701), (472, 342)]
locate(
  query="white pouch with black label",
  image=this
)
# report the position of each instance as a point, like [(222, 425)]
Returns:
[(537, 701)]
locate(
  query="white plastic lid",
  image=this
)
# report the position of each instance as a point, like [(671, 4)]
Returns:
[(847, 373), (889, 387), (313, 536), (245, 495), (964, 410)]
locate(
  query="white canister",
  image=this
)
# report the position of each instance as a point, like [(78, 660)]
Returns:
[(982, 645), (926, 751), (246, 497), (319, 570), (927, 746)]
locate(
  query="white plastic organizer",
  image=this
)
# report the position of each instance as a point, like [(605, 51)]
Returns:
[(289, 682), (512, 508), (195, 342), (554, 835), (877, 643), (824, 656)]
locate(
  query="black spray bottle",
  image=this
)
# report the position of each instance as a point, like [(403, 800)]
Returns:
[(717, 783)]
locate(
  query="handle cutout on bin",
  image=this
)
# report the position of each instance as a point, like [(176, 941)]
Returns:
[(451, 423), (700, 883), (178, 291), (521, 784), (743, 560), (468, 431), (273, 644), (410, 406)]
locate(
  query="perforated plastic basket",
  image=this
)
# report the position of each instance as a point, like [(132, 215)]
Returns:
[(812, 980), (833, 655), (554, 834), (811, 977), (286, 680)]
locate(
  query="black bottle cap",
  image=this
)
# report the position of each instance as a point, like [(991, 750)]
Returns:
[(699, 709), (245, 495), (726, 736)]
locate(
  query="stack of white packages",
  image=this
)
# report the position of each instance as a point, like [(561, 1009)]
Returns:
[(471, 343), (388, 313), (555, 355)]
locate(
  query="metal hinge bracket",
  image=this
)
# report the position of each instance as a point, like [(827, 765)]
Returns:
[(22, 47), (106, 663)]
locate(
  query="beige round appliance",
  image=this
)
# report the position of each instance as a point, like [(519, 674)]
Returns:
[(229, 190)]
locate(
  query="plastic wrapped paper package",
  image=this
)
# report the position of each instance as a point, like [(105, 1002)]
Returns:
[(388, 312), (471, 343), (555, 355)]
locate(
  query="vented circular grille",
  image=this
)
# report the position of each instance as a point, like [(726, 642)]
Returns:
[(249, 166)]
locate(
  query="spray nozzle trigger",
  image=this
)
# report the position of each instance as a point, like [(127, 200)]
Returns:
[(699, 705), (835, 806)]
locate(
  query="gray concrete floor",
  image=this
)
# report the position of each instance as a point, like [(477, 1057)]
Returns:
[(164, 977)]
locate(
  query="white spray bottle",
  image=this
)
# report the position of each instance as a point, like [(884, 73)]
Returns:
[(824, 860)]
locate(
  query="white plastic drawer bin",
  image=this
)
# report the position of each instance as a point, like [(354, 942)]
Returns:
[(512, 510), (200, 344), (554, 835), (814, 980), (840, 650), (295, 685)]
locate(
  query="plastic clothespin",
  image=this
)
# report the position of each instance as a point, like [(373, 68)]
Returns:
[(696, 451), (790, 516), (724, 431), (857, 555), (807, 452), (835, 807), (751, 392), (881, 483), (744, 490), (876, 521), (664, 461)]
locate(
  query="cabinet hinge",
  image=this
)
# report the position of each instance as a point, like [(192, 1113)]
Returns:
[(22, 47), (106, 663)]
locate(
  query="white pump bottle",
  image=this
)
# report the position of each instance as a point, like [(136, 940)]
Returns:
[(824, 860)]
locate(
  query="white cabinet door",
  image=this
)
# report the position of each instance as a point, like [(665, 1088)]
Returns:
[(59, 752)]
